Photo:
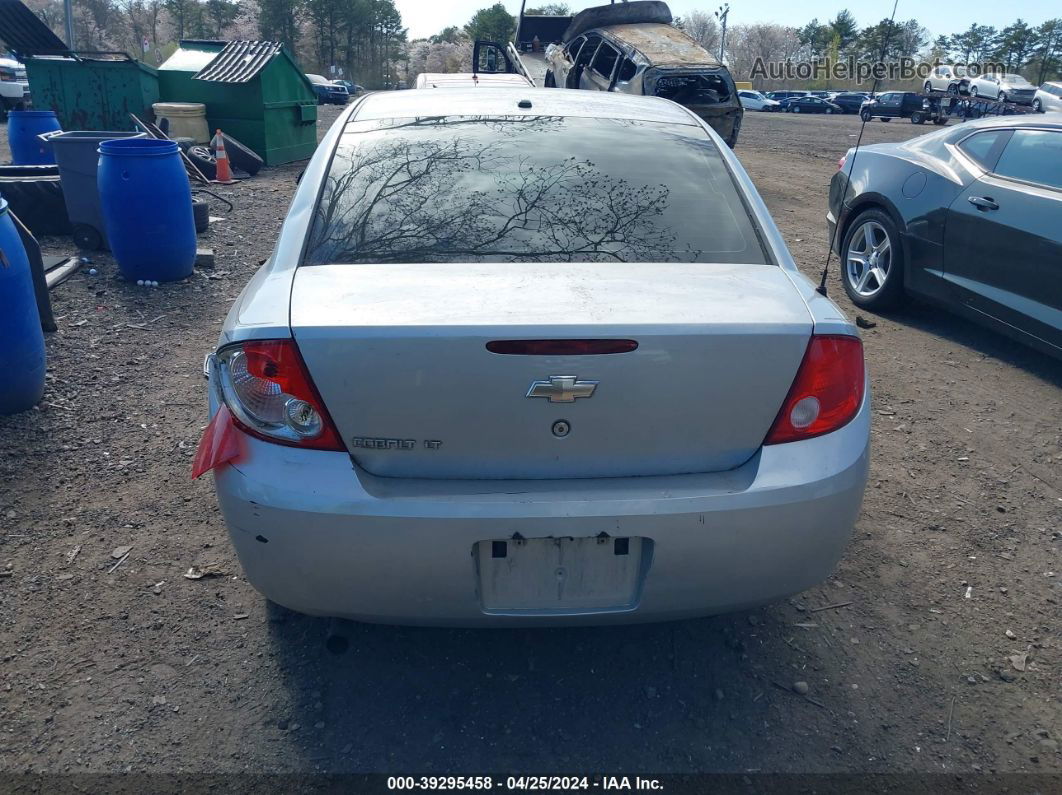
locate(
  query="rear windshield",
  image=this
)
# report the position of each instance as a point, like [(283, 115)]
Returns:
[(529, 188)]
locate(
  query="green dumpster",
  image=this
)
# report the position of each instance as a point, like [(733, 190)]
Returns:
[(253, 90), (92, 91), (87, 90)]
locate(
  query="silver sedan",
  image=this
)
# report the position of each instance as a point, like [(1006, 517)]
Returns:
[(533, 357)]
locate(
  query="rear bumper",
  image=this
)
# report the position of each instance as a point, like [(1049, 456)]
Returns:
[(317, 535)]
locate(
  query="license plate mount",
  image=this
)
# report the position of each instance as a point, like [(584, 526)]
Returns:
[(550, 575)]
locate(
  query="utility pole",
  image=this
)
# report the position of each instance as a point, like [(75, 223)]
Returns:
[(721, 15), (68, 14)]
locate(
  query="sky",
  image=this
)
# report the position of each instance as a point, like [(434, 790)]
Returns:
[(426, 17)]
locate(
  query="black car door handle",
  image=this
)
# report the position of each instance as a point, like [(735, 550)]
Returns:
[(983, 203)]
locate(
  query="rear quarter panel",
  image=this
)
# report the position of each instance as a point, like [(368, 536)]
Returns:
[(915, 188)]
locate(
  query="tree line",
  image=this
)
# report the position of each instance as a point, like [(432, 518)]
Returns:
[(363, 39), (1033, 51)]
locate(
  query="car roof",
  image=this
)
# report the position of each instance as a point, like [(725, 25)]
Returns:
[(454, 79), (1024, 120), (661, 44), (504, 101)]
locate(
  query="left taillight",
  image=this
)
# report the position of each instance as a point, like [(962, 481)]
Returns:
[(267, 388), (826, 393)]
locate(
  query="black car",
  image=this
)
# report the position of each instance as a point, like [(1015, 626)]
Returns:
[(328, 92), (811, 105), (778, 96), (892, 105), (967, 217), (850, 101)]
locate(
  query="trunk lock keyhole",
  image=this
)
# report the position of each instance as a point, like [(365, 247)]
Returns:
[(561, 428)]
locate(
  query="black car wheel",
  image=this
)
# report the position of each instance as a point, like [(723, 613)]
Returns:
[(796, 109), (1038, 106), (872, 261), (204, 160), (928, 87), (918, 117), (865, 116)]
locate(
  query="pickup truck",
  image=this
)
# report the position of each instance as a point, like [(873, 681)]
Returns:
[(628, 48), (14, 88)]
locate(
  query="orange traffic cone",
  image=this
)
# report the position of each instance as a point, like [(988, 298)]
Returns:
[(224, 172)]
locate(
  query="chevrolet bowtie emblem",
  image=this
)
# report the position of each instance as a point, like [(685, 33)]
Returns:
[(562, 389)]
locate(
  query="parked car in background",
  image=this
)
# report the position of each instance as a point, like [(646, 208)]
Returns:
[(943, 77), (967, 217), (352, 88), (632, 48), (754, 100), (328, 91), (425, 380), (892, 105), (850, 101), (778, 96), (811, 105), (1048, 97), (14, 88), (1004, 87)]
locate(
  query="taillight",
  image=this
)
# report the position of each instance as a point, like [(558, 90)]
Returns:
[(269, 392), (841, 162), (827, 391)]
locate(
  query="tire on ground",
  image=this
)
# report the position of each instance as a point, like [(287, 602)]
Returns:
[(242, 157), (201, 214), (35, 195), (204, 161), (890, 296)]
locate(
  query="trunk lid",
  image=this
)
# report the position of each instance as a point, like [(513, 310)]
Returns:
[(398, 353)]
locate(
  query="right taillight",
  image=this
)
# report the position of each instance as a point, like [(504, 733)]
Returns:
[(827, 391)]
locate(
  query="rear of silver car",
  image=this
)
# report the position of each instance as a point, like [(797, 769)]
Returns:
[(512, 438)]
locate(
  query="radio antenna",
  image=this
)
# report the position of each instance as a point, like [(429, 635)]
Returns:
[(850, 165)]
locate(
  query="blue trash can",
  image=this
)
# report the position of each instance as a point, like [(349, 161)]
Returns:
[(147, 208), (77, 153), (21, 338)]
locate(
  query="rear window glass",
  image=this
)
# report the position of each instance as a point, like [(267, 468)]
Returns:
[(529, 188), (694, 89)]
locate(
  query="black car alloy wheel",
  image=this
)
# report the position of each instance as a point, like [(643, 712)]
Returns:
[(872, 261)]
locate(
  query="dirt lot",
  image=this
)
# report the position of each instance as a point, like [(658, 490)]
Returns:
[(953, 568)]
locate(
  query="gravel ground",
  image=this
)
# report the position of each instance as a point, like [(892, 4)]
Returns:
[(954, 568)]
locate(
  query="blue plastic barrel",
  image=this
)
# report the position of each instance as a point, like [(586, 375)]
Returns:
[(23, 127), (21, 338), (147, 208)]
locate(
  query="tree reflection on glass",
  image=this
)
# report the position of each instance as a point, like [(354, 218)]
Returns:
[(467, 189)]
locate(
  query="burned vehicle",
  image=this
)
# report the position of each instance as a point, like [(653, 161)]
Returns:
[(628, 48)]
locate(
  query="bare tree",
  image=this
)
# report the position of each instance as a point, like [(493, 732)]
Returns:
[(702, 28)]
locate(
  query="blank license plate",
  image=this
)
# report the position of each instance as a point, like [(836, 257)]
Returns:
[(560, 573)]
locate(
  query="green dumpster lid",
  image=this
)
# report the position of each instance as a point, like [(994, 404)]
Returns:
[(24, 32), (239, 62)]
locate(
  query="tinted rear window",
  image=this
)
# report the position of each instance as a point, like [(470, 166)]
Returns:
[(530, 188)]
